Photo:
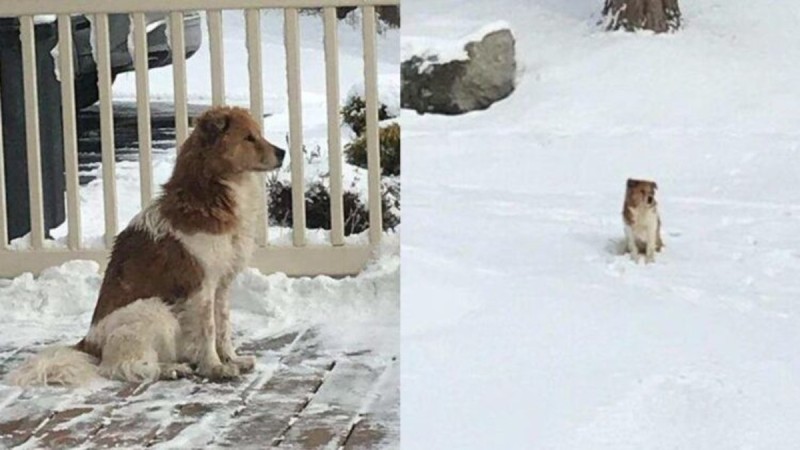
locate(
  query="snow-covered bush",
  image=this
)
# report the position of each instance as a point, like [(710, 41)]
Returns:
[(356, 151), (354, 114)]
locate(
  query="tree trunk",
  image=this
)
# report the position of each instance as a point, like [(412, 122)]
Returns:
[(630, 15)]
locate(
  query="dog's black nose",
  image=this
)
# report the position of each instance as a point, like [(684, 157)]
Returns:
[(280, 153), (650, 200)]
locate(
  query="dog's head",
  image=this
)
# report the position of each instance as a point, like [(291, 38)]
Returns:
[(640, 192), (231, 142)]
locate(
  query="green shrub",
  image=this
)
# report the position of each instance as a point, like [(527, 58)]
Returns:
[(354, 114), (318, 207), (389, 138)]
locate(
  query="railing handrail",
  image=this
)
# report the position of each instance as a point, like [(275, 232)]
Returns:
[(38, 7), (337, 258)]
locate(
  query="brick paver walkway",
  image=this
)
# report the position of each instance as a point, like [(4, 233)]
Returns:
[(301, 396)]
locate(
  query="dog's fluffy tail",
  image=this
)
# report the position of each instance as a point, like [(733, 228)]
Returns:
[(57, 365)]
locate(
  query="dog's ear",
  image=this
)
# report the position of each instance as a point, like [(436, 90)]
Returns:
[(655, 186), (631, 182), (214, 122)]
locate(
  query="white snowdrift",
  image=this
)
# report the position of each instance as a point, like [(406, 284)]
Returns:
[(59, 303), (522, 328)]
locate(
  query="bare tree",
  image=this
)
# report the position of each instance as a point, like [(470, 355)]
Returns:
[(656, 15)]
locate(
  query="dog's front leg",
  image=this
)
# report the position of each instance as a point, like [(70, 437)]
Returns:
[(198, 337), (222, 318), (630, 239), (652, 241)]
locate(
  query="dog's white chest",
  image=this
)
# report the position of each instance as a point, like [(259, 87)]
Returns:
[(645, 221), (215, 252), (228, 253)]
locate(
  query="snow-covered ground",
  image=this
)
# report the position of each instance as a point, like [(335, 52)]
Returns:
[(521, 325), (354, 311)]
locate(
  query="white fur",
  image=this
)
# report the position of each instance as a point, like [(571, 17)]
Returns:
[(152, 221), (138, 343), (644, 229), (59, 365), (136, 340)]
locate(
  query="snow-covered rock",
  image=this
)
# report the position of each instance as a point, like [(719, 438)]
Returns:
[(456, 78)]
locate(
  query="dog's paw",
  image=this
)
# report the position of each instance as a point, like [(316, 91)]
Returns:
[(183, 370), (220, 372), (245, 363), (176, 371)]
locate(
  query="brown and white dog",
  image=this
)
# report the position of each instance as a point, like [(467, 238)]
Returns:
[(642, 222), (163, 307)]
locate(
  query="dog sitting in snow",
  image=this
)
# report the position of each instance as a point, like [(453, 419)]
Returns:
[(163, 310), (642, 222)]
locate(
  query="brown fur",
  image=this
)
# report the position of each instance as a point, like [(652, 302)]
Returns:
[(149, 268), (225, 144), (636, 194)]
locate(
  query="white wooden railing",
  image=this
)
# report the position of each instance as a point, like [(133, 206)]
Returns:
[(337, 258)]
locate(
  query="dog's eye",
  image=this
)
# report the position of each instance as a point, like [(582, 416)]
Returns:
[(251, 138)]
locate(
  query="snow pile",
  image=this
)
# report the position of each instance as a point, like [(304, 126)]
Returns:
[(59, 303), (518, 312), (365, 308), (71, 289), (66, 290)]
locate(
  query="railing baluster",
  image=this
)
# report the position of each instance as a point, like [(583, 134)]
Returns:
[(178, 44), (292, 44), (32, 131), (68, 125), (253, 25), (371, 99), (334, 135), (143, 108), (3, 222), (106, 127), (214, 18)]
